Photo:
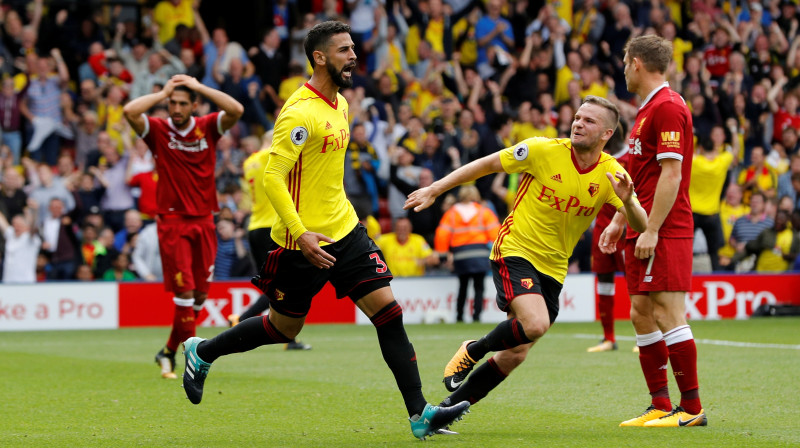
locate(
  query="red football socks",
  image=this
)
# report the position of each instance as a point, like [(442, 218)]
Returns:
[(683, 358), (183, 324), (606, 308), (654, 360)]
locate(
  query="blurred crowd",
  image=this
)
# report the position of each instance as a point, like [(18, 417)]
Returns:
[(439, 83)]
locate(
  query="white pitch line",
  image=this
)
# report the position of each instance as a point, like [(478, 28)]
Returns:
[(709, 342)]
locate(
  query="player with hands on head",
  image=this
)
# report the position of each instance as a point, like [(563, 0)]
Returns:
[(184, 149)]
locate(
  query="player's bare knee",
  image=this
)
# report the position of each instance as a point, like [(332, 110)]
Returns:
[(636, 315), (287, 326), (535, 328), (640, 310)]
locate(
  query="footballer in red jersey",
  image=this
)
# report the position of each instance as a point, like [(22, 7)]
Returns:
[(184, 148), (658, 262), (607, 265)]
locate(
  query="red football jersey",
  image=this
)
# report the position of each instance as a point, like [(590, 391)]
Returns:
[(663, 130), (148, 183), (718, 60), (782, 120), (185, 161), (608, 211)]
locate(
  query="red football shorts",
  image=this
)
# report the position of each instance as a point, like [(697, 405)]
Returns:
[(606, 263), (188, 249), (669, 269)]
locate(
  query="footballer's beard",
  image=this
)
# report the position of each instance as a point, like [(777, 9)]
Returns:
[(179, 121), (343, 82)]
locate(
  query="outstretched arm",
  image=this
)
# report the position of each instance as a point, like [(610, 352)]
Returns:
[(424, 197)]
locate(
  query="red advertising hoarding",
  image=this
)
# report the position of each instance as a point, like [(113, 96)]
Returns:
[(725, 296), (147, 304)]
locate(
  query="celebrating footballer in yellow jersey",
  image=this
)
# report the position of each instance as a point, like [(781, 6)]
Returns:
[(318, 238), (307, 156), (563, 185), (556, 202)]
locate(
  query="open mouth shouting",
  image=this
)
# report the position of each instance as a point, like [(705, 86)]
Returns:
[(347, 71), (343, 78)]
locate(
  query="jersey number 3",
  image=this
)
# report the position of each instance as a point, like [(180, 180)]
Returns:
[(381, 265)]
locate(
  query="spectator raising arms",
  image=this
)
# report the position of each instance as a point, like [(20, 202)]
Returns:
[(22, 244)]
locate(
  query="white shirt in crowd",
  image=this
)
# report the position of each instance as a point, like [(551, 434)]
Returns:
[(20, 257), (50, 231), (146, 256)]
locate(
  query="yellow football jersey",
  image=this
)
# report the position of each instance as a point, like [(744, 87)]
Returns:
[(263, 214), (305, 171), (556, 202), (728, 215), (524, 131), (708, 177), (404, 260)]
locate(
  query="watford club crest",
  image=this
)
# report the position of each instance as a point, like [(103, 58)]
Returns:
[(527, 283), (593, 189)]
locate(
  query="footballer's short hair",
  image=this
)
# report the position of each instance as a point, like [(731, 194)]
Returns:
[(318, 37), (655, 52), (613, 112)]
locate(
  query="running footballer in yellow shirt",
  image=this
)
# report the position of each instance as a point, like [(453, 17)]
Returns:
[(318, 237), (564, 184)]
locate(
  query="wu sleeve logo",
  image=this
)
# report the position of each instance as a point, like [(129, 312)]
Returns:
[(671, 139), (521, 152), (299, 135)]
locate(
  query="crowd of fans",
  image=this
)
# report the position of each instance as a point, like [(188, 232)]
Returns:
[(440, 83)]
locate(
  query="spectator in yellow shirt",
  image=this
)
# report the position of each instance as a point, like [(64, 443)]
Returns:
[(406, 253), (565, 74), (531, 122), (758, 176), (592, 82), (297, 77), (730, 210), (168, 14), (680, 47), (776, 247), (709, 169)]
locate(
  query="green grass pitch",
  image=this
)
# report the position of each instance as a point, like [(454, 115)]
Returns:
[(102, 388)]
